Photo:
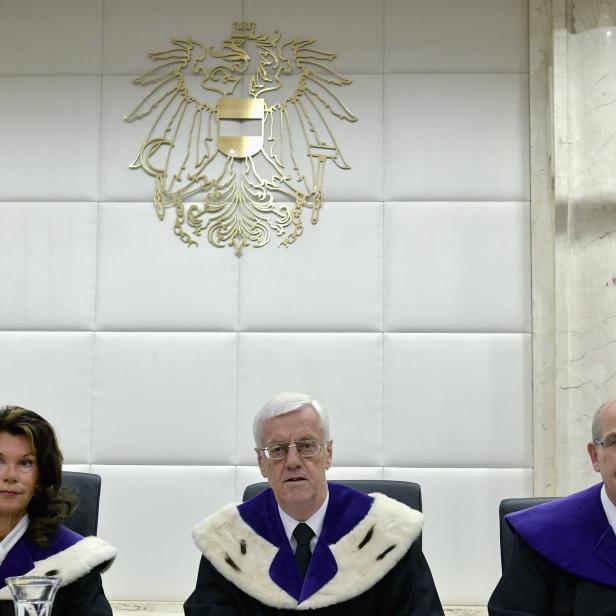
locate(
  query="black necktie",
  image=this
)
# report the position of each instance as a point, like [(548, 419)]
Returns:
[(303, 534)]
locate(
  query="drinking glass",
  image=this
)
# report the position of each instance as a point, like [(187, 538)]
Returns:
[(33, 595)]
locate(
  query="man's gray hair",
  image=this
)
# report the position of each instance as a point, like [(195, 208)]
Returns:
[(286, 402), (596, 420)]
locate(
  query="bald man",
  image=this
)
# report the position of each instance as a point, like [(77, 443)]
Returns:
[(564, 556)]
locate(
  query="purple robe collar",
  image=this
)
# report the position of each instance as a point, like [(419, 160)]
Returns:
[(573, 533), (345, 509), (20, 560)]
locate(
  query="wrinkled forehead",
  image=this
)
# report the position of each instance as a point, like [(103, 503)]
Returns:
[(607, 420), (300, 424)]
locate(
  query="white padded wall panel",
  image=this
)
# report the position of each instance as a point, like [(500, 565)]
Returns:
[(342, 371), (78, 468), (456, 137), (451, 398), (245, 475), (461, 531), (310, 288), (134, 29), (52, 372), (354, 472), (453, 36), (163, 398), (37, 37), (147, 512), (50, 138), (353, 29), (149, 280), (457, 267), (48, 262)]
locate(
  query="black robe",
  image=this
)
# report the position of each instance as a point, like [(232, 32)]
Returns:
[(532, 586), (563, 561), (366, 561)]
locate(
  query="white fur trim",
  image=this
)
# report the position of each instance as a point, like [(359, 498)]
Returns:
[(72, 563), (392, 524), (219, 537)]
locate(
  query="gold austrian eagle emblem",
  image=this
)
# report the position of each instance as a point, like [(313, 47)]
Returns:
[(240, 135)]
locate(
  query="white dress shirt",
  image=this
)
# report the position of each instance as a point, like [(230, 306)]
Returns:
[(6, 545), (315, 521), (609, 508)]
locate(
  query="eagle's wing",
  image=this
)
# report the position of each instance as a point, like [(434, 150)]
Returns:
[(299, 127), (180, 145)]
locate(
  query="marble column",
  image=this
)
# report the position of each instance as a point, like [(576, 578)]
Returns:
[(573, 136)]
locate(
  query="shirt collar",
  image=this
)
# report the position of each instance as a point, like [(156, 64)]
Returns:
[(609, 508), (315, 521), (7, 544)]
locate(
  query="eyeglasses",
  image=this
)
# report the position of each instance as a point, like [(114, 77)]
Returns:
[(279, 451), (608, 444)]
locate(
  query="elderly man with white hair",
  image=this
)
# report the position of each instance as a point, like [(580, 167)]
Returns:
[(563, 561), (305, 544)]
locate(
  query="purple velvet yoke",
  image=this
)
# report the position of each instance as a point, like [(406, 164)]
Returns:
[(25, 553), (573, 533), (345, 509)]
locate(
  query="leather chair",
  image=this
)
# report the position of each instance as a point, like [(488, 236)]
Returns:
[(405, 492), (509, 505), (87, 487)]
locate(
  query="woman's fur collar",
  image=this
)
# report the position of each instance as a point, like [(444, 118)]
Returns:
[(73, 562)]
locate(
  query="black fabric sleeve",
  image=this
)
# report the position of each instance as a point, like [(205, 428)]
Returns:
[(426, 599), (413, 591), (84, 597), (527, 585), (211, 596)]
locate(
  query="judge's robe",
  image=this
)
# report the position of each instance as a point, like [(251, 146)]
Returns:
[(366, 561), (76, 560), (563, 561)]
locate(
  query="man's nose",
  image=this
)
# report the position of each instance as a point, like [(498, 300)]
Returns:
[(293, 458)]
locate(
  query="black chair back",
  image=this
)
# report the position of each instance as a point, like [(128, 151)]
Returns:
[(509, 505), (405, 492), (87, 487)]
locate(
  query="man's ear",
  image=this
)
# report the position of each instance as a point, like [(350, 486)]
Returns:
[(262, 466), (593, 453), (328, 453)]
